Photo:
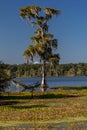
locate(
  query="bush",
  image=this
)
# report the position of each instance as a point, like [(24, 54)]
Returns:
[(4, 78)]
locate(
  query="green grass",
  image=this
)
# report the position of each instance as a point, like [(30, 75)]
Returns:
[(61, 105)]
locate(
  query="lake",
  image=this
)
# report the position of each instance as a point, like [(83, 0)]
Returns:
[(52, 82)]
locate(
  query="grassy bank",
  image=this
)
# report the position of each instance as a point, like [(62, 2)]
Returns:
[(60, 105)]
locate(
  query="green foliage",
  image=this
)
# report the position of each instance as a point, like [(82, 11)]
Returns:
[(44, 43), (4, 78), (34, 70)]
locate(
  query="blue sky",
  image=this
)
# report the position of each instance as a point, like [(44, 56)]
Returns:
[(70, 28)]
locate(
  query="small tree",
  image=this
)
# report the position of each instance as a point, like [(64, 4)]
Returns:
[(4, 78), (44, 42)]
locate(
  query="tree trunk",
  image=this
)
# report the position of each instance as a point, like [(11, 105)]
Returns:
[(43, 82)]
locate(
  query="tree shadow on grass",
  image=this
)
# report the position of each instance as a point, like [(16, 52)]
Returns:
[(50, 96), (5, 103), (40, 96), (13, 100), (31, 106), (17, 97)]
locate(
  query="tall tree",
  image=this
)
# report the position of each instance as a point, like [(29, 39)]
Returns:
[(44, 42)]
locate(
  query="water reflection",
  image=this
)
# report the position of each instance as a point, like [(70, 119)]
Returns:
[(52, 82)]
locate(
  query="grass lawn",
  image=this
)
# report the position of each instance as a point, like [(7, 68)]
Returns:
[(65, 105)]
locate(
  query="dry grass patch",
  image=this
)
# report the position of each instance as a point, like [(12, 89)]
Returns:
[(54, 106)]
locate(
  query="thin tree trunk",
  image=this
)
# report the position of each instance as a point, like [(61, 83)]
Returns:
[(43, 82)]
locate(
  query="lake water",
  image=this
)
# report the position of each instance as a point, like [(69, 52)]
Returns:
[(53, 82)]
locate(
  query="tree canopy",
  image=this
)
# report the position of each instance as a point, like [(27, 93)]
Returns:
[(44, 42)]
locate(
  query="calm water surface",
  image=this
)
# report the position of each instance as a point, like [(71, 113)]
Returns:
[(56, 81), (53, 82)]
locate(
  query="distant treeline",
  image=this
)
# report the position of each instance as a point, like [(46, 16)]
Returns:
[(34, 70)]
